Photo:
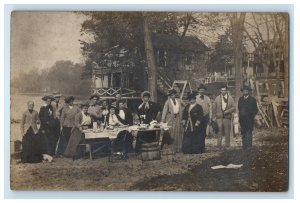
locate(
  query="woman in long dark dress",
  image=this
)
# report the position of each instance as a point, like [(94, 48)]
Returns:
[(191, 119), (47, 128), (31, 141)]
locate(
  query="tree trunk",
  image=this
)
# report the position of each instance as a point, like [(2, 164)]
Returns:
[(237, 23), (150, 59)]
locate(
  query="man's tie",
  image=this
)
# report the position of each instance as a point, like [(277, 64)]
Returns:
[(202, 97)]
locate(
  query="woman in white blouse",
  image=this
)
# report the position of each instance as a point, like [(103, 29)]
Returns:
[(172, 114)]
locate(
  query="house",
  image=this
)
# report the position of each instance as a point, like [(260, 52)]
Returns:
[(175, 59)]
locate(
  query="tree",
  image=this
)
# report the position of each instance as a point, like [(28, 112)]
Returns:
[(270, 31), (237, 24), (124, 38)]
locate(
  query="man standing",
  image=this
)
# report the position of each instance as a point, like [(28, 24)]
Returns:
[(247, 110), (57, 108), (205, 103), (223, 108)]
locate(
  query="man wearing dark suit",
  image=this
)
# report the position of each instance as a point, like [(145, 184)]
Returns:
[(147, 112), (247, 110)]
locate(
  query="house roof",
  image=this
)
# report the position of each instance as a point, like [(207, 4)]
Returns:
[(189, 43)]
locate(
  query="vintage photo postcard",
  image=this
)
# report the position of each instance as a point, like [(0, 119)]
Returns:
[(149, 101)]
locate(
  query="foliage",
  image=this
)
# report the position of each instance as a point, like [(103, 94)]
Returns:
[(63, 76), (118, 37)]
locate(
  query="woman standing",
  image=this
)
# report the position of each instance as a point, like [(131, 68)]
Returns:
[(172, 113), (191, 118), (83, 121), (47, 128), (67, 122), (31, 141)]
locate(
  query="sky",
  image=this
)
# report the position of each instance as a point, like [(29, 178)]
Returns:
[(39, 39)]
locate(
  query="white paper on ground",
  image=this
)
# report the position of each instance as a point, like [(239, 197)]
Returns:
[(228, 166)]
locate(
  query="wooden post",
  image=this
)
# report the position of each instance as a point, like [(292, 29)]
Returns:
[(150, 59)]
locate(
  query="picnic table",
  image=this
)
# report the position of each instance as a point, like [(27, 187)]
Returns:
[(112, 134)]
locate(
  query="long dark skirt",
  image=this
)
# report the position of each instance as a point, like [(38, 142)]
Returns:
[(63, 140), (33, 147), (76, 137), (48, 132), (193, 142)]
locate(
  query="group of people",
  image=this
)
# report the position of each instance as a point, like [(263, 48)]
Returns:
[(189, 122), (61, 125)]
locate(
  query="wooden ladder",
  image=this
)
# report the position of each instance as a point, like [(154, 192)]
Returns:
[(181, 86)]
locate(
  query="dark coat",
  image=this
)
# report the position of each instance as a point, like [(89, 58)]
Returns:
[(247, 111), (193, 140), (196, 115), (46, 116), (150, 113), (128, 120)]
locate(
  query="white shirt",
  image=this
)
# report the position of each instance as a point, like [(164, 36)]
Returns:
[(224, 104), (175, 107), (113, 120), (86, 119), (122, 114)]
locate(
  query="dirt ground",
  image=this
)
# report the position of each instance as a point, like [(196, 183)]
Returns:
[(265, 168)]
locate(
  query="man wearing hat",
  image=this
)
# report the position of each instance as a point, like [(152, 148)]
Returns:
[(172, 113), (191, 120), (57, 105), (47, 128), (247, 107), (223, 109), (205, 103)]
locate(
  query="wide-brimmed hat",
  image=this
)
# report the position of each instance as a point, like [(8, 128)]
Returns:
[(245, 87), (84, 104), (69, 98), (202, 86), (113, 107), (56, 94), (146, 94), (95, 95), (172, 91), (192, 95), (45, 98)]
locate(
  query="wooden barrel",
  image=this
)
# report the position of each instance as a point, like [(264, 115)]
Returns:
[(150, 151)]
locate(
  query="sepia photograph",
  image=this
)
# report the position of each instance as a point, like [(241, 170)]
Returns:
[(149, 101)]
